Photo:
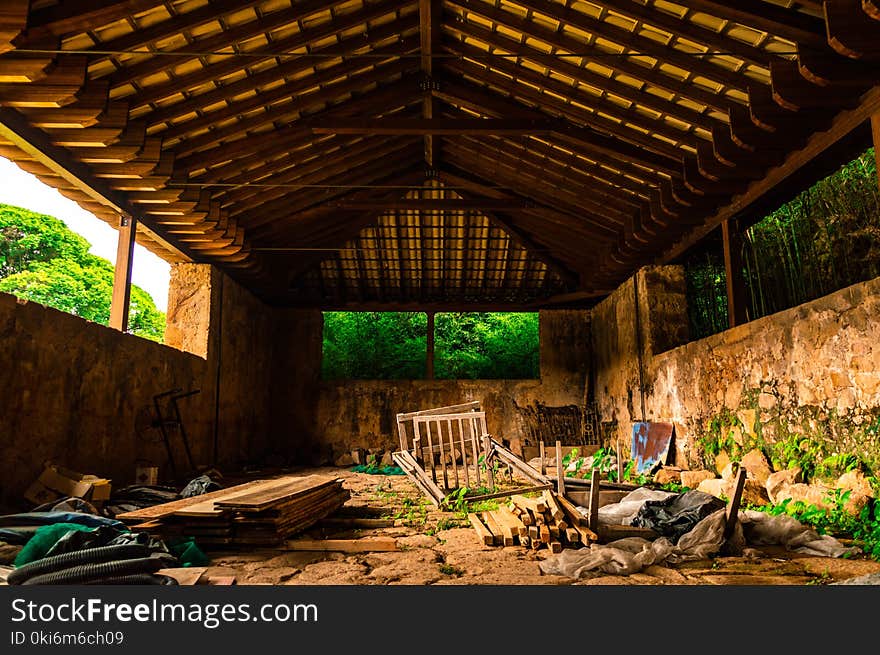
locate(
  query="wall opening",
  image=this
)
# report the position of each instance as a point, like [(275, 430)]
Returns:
[(54, 252), (487, 346), (374, 345), (825, 239), (467, 345)]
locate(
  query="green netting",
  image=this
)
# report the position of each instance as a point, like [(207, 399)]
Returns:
[(378, 470)]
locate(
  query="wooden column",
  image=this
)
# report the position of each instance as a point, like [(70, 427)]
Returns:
[(875, 130), (122, 274), (429, 361), (733, 267)]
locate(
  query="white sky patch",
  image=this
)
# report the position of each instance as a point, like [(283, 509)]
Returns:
[(21, 189)]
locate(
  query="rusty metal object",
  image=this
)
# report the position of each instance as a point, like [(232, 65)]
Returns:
[(650, 444)]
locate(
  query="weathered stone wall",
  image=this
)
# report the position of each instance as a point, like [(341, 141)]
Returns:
[(811, 371), (360, 413), (81, 394)]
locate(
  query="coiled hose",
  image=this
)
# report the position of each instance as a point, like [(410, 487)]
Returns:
[(85, 573), (76, 558)]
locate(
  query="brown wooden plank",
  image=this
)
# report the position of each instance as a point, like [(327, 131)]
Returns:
[(289, 489), (167, 509), (483, 533), (362, 545)]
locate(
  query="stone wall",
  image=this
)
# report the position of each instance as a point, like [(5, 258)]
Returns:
[(361, 413), (81, 394), (811, 371)]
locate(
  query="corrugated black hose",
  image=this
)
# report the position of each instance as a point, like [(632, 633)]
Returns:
[(137, 578), (85, 573), (76, 558)]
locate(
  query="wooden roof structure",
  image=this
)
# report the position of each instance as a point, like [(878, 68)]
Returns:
[(454, 153)]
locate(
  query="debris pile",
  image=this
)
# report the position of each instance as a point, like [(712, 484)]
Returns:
[(547, 521), (260, 512)]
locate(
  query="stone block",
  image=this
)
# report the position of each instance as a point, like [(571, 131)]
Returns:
[(856, 482), (756, 464), (667, 475), (722, 459), (692, 479), (714, 486), (779, 480)]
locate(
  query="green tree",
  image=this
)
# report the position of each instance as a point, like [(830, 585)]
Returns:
[(44, 261), (487, 345)]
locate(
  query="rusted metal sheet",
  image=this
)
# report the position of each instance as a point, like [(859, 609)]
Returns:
[(650, 444)]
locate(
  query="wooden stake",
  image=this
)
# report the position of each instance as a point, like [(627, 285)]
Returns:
[(560, 474), (733, 506), (541, 448), (594, 501)]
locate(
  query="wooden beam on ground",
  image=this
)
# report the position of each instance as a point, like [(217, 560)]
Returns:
[(442, 126), (733, 268), (483, 533), (120, 301), (362, 545)]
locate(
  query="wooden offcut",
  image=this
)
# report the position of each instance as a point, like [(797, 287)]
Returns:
[(362, 545)]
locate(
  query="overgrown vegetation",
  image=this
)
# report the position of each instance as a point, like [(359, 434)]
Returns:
[(393, 345), (42, 260), (826, 238)]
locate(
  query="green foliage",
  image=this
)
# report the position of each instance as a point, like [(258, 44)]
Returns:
[(414, 513), (393, 345), (27, 238), (448, 569), (629, 474), (374, 345), (45, 262), (826, 238), (486, 345)]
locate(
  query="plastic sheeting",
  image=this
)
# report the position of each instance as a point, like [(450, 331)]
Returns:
[(677, 515), (631, 555), (761, 528), (623, 512)]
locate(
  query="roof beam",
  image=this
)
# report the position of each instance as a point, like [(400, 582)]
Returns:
[(81, 15), (429, 36), (423, 126), (787, 23)]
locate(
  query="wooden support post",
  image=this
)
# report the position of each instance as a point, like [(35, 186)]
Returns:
[(594, 501), (487, 452), (429, 360), (119, 303), (875, 131), (560, 471), (541, 451), (733, 268), (733, 506)]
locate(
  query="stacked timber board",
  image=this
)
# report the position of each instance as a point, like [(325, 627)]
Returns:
[(546, 521), (256, 513)]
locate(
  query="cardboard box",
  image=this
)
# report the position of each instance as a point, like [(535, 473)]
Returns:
[(58, 482), (146, 474)]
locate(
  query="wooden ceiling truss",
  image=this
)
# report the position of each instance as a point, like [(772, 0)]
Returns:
[(433, 153)]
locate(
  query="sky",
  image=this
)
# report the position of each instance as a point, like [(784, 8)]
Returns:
[(22, 189)]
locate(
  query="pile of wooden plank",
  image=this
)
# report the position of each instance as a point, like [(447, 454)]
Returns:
[(545, 521), (256, 513)]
